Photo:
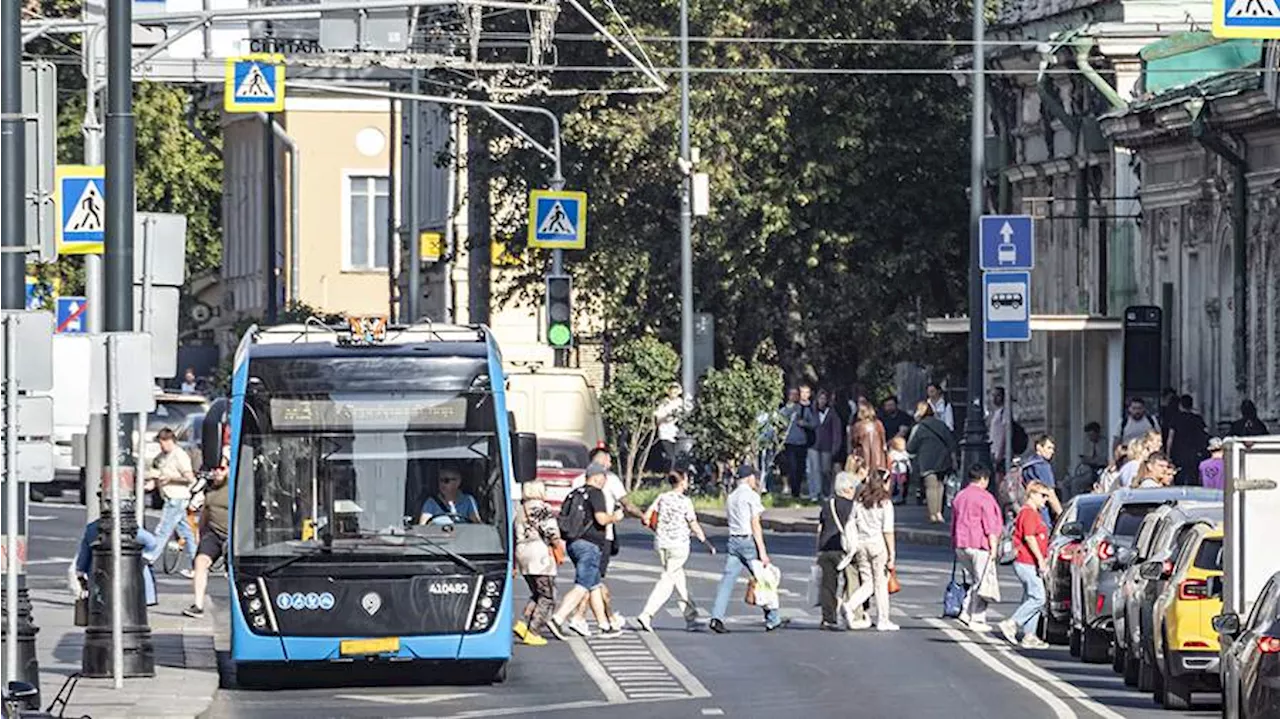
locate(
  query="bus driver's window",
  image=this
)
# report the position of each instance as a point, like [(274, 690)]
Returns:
[(449, 503)]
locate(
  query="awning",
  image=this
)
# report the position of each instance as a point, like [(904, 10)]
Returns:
[(1039, 323)]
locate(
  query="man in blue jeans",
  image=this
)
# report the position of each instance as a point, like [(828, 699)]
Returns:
[(746, 544), (587, 546), (171, 471)]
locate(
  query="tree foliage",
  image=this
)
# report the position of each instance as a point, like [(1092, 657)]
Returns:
[(735, 410), (838, 206), (645, 368)]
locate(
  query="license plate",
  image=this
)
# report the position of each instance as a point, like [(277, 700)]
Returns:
[(356, 647)]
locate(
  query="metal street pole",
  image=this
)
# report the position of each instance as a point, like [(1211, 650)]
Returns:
[(91, 127), (413, 190), (269, 198), (686, 215), (12, 147), (976, 446)]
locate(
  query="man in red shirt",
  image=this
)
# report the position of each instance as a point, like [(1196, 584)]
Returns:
[(1031, 539)]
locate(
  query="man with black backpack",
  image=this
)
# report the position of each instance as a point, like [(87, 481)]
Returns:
[(583, 518)]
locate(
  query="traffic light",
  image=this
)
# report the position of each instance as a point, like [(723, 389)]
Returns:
[(559, 311)]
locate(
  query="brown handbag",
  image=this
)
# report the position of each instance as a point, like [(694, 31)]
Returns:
[(750, 597), (894, 586)]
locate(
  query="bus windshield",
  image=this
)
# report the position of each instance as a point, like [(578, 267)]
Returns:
[(368, 473)]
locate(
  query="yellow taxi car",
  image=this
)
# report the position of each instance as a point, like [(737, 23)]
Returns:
[(1186, 645)]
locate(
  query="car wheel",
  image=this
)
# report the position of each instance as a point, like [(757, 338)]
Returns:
[(1131, 669), (1093, 646), (1177, 690), (1118, 658), (1073, 642), (1146, 676)]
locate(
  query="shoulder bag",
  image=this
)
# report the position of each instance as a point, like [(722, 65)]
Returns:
[(953, 595)]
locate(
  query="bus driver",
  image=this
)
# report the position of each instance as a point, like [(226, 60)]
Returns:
[(450, 503)]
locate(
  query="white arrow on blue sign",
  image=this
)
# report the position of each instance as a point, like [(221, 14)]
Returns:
[(1008, 242), (1006, 307), (71, 315)]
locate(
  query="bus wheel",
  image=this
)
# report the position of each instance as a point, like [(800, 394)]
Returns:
[(500, 673)]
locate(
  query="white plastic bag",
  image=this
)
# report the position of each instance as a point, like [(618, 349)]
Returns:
[(814, 593), (768, 580)]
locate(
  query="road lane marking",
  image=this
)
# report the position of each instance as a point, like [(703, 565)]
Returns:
[(594, 669), (1049, 677), (405, 698), (681, 673), (1059, 707)]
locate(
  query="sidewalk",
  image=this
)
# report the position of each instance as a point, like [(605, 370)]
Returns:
[(186, 663), (910, 522)]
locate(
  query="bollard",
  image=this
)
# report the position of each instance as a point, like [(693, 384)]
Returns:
[(28, 663), (139, 654)]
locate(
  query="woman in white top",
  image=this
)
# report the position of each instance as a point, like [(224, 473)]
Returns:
[(537, 531), (676, 522), (873, 514)]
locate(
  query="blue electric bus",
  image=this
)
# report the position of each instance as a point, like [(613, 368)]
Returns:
[(345, 544)]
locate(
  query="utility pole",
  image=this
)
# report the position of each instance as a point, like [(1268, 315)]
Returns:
[(117, 642), (413, 192), (686, 215), (976, 442), (269, 197), (14, 172), (19, 656)]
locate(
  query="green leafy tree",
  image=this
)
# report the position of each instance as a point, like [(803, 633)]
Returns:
[(645, 368), (736, 412), (838, 207)]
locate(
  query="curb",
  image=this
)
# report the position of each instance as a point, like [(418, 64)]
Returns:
[(923, 537)]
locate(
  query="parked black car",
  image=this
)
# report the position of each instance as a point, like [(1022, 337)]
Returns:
[(1251, 657), (1068, 533)]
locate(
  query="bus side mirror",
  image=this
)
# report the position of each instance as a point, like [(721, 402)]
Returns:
[(526, 456), (211, 434)]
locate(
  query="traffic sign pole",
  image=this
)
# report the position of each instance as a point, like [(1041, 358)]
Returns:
[(976, 442), (13, 148)]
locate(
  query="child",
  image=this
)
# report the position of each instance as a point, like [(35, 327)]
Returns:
[(899, 467)]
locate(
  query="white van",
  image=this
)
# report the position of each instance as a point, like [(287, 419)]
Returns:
[(555, 402), (561, 407)]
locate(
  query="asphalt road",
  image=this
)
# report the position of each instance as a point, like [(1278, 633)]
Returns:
[(932, 668)]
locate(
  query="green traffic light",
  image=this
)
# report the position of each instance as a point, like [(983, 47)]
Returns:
[(559, 335)]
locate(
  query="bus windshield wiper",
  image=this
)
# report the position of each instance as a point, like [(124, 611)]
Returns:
[(441, 550), (309, 551)]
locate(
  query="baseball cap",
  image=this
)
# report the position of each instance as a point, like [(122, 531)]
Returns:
[(596, 469), (1215, 444), (745, 471)]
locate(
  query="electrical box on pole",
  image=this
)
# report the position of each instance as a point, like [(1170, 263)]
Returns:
[(559, 311)]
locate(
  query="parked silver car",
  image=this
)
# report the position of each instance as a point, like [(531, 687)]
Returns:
[(1159, 539), (1095, 575)]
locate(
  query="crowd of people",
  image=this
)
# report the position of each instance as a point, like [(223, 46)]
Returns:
[(855, 551)]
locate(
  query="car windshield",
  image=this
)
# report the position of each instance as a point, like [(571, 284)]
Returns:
[(1087, 512), (172, 415), (365, 471), (562, 454)]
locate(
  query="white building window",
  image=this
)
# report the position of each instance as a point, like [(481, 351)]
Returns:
[(368, 202)]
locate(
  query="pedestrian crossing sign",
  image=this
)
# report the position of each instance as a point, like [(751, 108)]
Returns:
[(1251, 19), (254, 83), (558, 219), (80, 194)]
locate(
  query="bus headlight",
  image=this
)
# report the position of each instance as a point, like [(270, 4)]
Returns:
[(253, 600), (486, 607), (250, 590), (255, 605), (259, 621)]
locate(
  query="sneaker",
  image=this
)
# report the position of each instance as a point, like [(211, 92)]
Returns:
[(187, 573), (718, 627), (1009, 631), (580, 627), (617, 621), (609, 632), (1031, 641), (829, 626), (693, 625), (194, 612), (859, 624), (644, 623), (520, 629), (533, 640), (557, 629), (777, 625), (887, 626), (980, 627)]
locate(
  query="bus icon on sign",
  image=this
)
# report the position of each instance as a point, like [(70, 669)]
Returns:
[(1007, 253), (1006, 299)]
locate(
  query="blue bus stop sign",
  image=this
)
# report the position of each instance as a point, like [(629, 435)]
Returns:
[(1006, 306)]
